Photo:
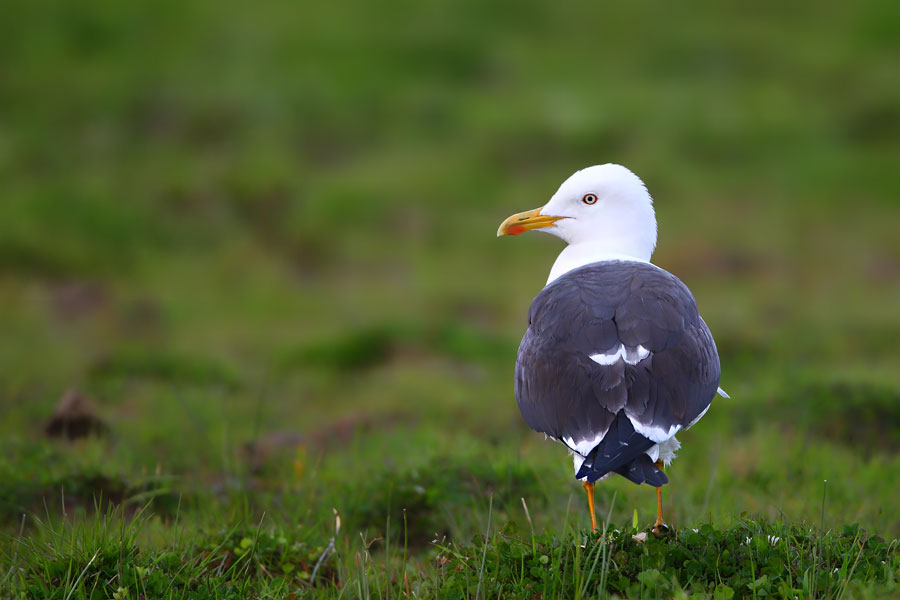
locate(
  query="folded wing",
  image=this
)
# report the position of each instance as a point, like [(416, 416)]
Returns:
[(615, 340)]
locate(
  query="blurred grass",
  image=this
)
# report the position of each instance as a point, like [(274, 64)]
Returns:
[(275, 226)]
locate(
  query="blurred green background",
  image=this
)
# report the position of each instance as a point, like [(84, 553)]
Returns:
[(260, 240)]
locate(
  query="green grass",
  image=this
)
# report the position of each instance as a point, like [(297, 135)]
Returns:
[(106, 558), (261, 242)]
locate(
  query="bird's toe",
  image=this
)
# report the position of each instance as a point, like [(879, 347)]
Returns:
[(661, 531)]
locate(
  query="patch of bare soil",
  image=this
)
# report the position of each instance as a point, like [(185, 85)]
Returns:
[(75, 417)]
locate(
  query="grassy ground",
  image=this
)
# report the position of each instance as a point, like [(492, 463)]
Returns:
[(261, 244)]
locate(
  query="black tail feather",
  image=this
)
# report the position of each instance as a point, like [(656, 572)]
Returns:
[(642, 470), (621, 445)]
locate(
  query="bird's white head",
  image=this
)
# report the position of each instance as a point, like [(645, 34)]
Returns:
[(604, 208)]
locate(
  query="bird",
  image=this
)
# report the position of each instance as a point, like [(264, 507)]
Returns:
[(616, 359)]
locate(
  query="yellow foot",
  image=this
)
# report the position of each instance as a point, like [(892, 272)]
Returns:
[(661, 530)]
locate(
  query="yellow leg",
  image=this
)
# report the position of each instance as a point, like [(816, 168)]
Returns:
[(589, 488), (660, 528), (659, 517)]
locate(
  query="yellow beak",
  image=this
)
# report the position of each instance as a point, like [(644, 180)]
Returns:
[(526, 221)]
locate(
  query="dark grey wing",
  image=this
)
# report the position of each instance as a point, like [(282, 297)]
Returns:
[(663, 378)]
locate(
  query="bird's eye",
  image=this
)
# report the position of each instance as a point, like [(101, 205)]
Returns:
[(589, 198)]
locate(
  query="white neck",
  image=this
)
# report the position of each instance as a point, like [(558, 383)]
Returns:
[(579, 255)]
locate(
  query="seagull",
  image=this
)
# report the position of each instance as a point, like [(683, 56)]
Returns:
[(616, 359)]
